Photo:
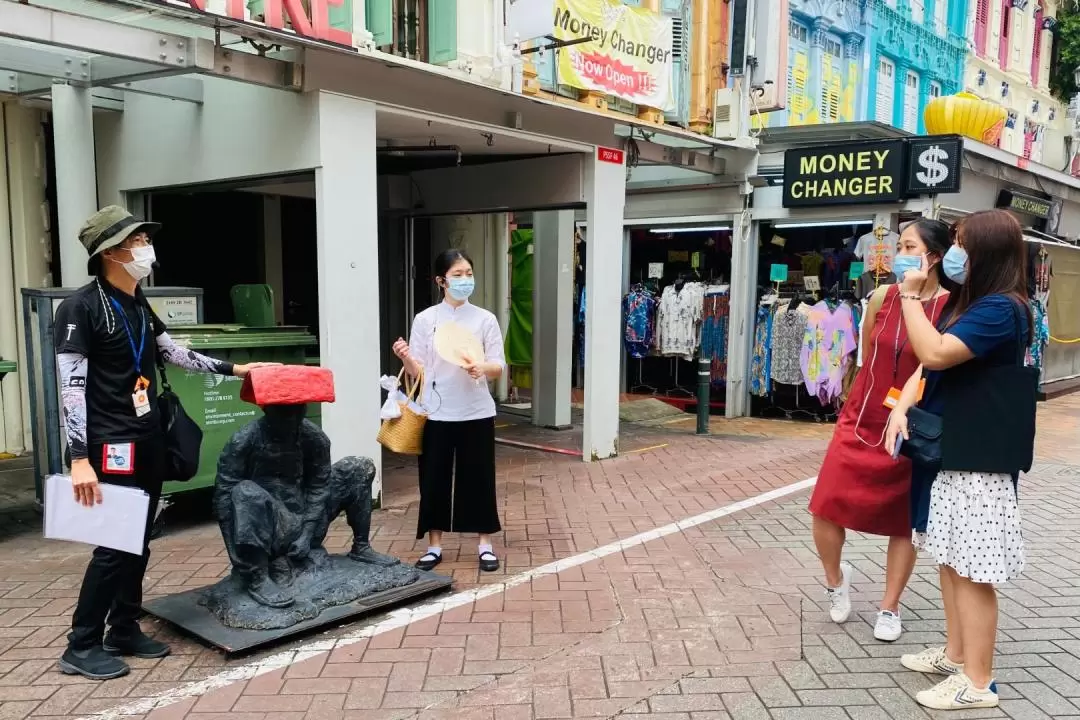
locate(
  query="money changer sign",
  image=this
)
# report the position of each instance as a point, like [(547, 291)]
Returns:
[(934, 165), (879, 171), (628, 53)]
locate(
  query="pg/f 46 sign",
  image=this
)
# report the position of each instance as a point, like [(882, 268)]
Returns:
[(610, 155)]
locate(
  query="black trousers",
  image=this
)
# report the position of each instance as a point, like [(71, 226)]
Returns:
[(457, 478), (112, 586)]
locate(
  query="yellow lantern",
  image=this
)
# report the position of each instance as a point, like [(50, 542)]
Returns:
[(965, 114)]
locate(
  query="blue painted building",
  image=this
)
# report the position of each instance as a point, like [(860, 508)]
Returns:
[(855, 60), (826, 40), (916, 51)]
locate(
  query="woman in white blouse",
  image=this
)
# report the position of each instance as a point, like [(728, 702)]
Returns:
[(457, 461)]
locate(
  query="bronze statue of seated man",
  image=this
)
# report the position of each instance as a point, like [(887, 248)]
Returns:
[(276, 495)]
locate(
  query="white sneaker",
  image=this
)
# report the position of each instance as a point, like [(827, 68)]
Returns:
[(888, 627), (958, 693), (840, 597), (931, 660)]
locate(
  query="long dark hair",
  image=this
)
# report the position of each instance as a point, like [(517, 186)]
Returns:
[(936, 236), (997, 260)]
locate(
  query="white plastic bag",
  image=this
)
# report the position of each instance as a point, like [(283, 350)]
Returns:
[(391, 409), (395, 398)]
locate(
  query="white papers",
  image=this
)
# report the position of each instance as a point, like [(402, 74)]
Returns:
[(118, 522)]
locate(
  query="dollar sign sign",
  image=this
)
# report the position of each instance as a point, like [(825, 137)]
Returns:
[(934, 172)]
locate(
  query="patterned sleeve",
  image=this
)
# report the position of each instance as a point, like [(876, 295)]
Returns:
[(189, 359), (73, 368)]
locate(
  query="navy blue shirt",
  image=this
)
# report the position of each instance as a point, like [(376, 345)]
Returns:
[(988, 329)]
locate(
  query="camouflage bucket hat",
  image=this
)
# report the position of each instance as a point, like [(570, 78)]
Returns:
[(109, 227)]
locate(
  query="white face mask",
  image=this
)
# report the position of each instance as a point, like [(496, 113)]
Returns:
[(142, 263)]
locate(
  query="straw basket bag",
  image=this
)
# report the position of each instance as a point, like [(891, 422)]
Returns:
[(404, 435)]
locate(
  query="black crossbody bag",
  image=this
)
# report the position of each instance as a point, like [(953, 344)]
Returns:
[(183, 436), (923, 445), (988, 419)]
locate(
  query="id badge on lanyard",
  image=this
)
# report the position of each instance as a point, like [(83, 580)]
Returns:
[(140, 396), (892, 399)]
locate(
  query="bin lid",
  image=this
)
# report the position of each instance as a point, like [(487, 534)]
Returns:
[(8, 366), (242, 336)]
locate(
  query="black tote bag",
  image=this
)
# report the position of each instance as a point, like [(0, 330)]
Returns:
[(988, 420), (183, 436)]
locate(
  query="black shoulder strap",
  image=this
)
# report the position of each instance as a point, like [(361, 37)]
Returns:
[(1021, 336)]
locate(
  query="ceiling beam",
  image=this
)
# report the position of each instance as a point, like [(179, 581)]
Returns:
[(650, 153)]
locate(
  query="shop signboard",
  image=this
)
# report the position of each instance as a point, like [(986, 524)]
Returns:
[(615, 49), (865, 172), (934, 165), (874, 171), (1026, 204)]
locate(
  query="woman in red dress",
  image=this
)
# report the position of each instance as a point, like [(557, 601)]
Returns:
[(860, 485)]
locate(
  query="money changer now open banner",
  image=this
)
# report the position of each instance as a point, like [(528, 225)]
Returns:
[(629, 54)]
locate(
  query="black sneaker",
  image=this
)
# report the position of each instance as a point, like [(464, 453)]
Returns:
[(94, 663), (136, 645)]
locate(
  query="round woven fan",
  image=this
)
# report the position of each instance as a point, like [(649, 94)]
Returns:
[(456, 345)]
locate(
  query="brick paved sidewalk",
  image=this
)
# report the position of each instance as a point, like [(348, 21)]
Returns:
[(725, 619)]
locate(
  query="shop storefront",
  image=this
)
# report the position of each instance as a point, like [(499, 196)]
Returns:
[(826, 228), (338, 186), (679, 258)]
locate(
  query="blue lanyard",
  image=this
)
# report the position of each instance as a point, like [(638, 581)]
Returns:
[(137, 353)]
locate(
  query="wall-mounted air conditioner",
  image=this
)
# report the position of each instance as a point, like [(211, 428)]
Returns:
[(726, 113)]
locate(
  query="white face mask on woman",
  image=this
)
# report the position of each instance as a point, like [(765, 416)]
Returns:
[(142, 263)]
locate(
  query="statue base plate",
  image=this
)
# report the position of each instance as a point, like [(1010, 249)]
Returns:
[(188, 612)]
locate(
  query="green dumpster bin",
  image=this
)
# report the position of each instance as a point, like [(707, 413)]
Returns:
[(213, 401)]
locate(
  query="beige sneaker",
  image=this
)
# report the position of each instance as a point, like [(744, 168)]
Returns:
[(931, 660), (957, 693)]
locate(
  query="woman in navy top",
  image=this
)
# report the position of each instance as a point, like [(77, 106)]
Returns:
[(973, 529)]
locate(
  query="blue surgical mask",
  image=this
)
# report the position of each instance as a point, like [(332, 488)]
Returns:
[(902, 263), (955, 264), (460, 288)]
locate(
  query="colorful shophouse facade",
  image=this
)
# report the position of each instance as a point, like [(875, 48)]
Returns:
[(1009, 64), (916, 52), (871, 60)]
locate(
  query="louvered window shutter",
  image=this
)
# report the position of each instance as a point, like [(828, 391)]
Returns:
[(982, 22)]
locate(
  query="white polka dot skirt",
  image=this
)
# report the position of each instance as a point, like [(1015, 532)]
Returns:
[(974, 526)]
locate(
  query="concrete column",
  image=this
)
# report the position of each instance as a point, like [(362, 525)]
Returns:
[(10, 306), (273, 263), (605, 198), (742, 311), (346, 193), (553, 317), (76, 176)]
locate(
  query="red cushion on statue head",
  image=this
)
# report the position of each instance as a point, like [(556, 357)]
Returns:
[(287, 385)]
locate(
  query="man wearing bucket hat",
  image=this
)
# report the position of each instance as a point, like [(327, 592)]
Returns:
[(107, 381)]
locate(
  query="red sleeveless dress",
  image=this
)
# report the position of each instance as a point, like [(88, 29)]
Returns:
[(860, 487)]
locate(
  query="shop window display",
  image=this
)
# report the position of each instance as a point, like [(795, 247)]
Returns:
[(806, 347), (676, 310)]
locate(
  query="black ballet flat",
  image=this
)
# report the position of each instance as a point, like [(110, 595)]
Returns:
[(428, 562)]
